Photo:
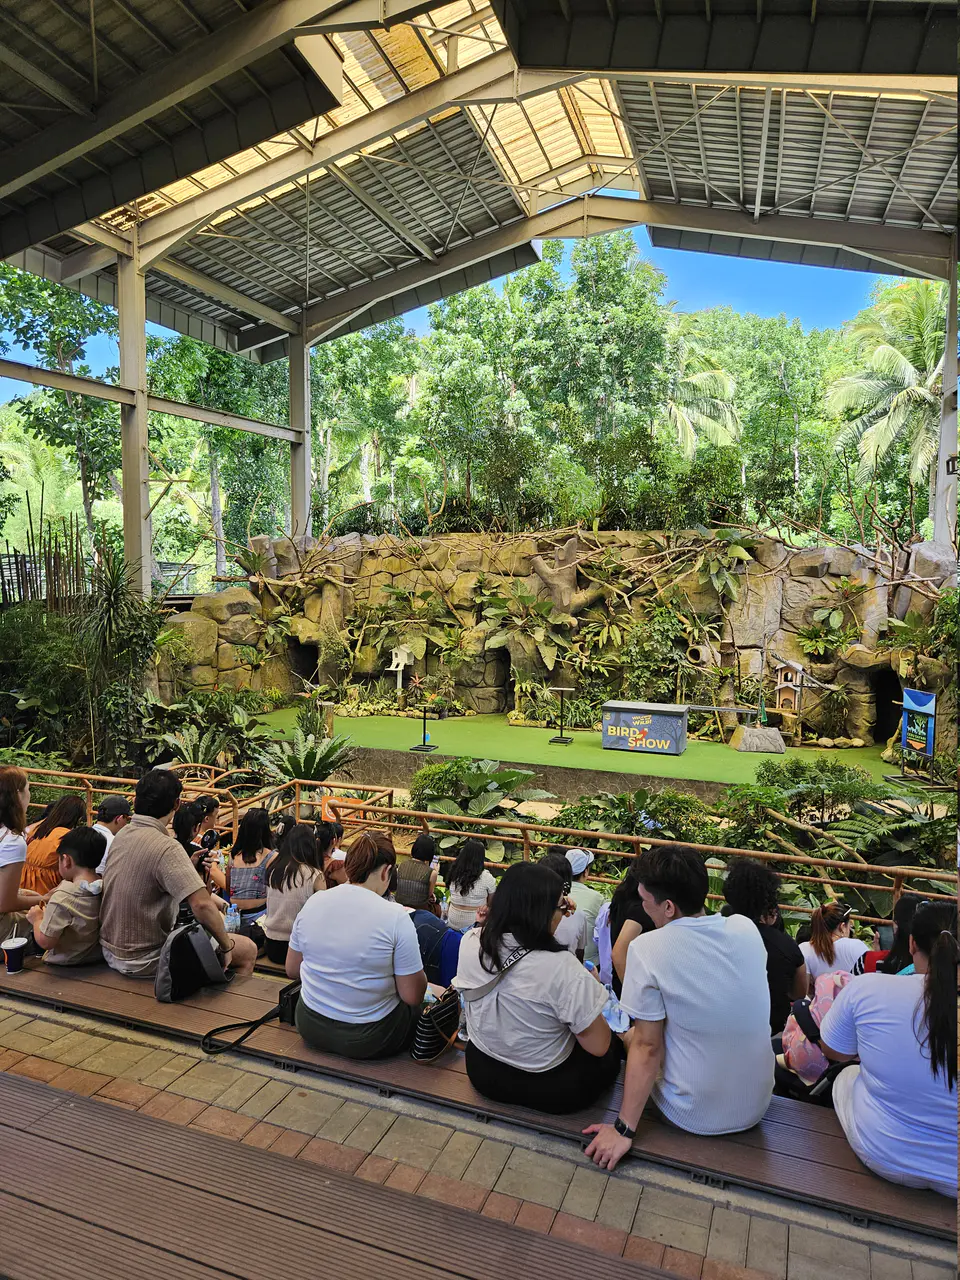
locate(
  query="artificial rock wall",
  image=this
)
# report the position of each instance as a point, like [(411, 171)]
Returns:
[(321, 587)]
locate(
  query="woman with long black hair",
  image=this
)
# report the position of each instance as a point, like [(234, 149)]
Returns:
[(627, 921), (534, 1015), (294, 874), (249, 856), (470, 885), (898, 1108)]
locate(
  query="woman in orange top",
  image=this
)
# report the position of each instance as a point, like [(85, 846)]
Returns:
[(40, 874)]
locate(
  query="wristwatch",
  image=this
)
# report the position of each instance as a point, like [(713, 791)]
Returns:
[(623, 1129)]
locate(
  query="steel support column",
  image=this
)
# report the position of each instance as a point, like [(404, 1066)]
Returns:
[(945, 502), (301, 487), (131, 305)]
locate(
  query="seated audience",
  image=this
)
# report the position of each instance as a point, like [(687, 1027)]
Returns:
[(751, 889), (148, 875), (113, 814), (416, 879), (898, 1107), (294, 874), (68, 927), (358, 959), (247, 869), (831, 947), (439, 947), (40, 873), (187, 823), (210, 808), (469, 884), (571, 932), (587, 899), (537, 1033), (897, 959), (628, 920), (14, 901), (696, 988)]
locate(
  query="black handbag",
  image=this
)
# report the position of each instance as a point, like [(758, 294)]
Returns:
[(187, 963), (437, 1027), (284, 1011)]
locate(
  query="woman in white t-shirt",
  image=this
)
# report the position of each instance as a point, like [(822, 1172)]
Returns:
[(831, 947), (358, 959), (534, 1015), (470, 885), (898, 1108), (14, 798)]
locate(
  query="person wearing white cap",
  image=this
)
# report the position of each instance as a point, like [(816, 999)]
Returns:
[(588, 900)]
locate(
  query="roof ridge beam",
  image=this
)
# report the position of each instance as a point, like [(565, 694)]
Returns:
[(162, 233), (248, 37), (224, 293)]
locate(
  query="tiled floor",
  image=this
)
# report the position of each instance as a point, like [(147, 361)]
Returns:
[(569, 1198)]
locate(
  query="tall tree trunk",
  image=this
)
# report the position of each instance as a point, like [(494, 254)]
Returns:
[(216, 509), (468, 486), (85, 493), (323, 479), (365, 472)]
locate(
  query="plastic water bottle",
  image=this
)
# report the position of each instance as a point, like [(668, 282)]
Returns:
[(232, 920), (462, 1034)]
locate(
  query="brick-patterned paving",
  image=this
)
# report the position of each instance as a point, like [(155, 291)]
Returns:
[(684, 1234)]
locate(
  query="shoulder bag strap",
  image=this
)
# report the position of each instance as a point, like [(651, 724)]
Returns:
[(477, 993), (805, 1020)]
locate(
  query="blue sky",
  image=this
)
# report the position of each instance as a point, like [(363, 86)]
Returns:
[(819, 297)]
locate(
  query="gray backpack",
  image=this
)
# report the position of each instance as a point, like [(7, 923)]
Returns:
[(187, 963)]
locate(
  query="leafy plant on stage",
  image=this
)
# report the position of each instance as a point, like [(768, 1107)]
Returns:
[(721, 561), (228, 716), (515, 619), (409, 618), (839, 612), (823, 640), (465, 788), (307, 757)]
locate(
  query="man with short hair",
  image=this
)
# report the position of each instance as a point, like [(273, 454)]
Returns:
[(113, 814), (696, 989), (147, 876)]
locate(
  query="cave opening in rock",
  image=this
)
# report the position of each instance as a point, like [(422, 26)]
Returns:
[(303, 658), (889, 695)]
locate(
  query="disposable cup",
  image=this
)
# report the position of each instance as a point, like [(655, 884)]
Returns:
[(13, 952)]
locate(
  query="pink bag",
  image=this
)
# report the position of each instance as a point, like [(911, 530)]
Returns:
[(801, 1048)]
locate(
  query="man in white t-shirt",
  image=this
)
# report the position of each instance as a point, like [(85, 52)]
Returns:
[(696, 989)]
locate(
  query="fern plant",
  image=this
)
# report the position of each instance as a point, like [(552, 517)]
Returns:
[(191, 745), (308, 757)]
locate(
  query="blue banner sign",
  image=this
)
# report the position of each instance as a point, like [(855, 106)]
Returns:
[(917, 725), (653, 728)]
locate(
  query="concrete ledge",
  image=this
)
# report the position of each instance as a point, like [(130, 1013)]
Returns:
[(383, 767)]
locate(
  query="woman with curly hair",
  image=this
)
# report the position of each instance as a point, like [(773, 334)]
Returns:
[(751, 890)]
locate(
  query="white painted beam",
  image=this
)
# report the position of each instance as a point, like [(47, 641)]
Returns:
[(945, 500), (224, 293), (84, 262), (248, 37), (58, 381), (301, 472), (134, 418)]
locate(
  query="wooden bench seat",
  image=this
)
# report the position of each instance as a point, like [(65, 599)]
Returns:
[(149, 1200), (798, 1151)]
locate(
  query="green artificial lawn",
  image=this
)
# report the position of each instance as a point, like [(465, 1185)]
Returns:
[(491, 737)]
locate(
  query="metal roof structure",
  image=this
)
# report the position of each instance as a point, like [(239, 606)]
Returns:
[(281, 172)]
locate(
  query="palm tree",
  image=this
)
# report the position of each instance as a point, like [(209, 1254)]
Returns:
[(699, 399), (895, 399)]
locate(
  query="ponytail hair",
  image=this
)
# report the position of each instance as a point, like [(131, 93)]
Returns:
[(934, 932), (824, 922), (370, 850)]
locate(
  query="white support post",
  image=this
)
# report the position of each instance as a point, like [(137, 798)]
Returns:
[(945, 500), (301, 487), (131, 304)]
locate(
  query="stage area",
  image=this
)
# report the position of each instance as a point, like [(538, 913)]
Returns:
[(491, 737)]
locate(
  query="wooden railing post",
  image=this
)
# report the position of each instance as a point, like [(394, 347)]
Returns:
[(89, 791), (296, 800), (897, 888), (526, 844)]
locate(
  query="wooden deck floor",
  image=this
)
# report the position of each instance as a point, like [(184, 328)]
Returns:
[(798, 1151), (96, 1193)]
